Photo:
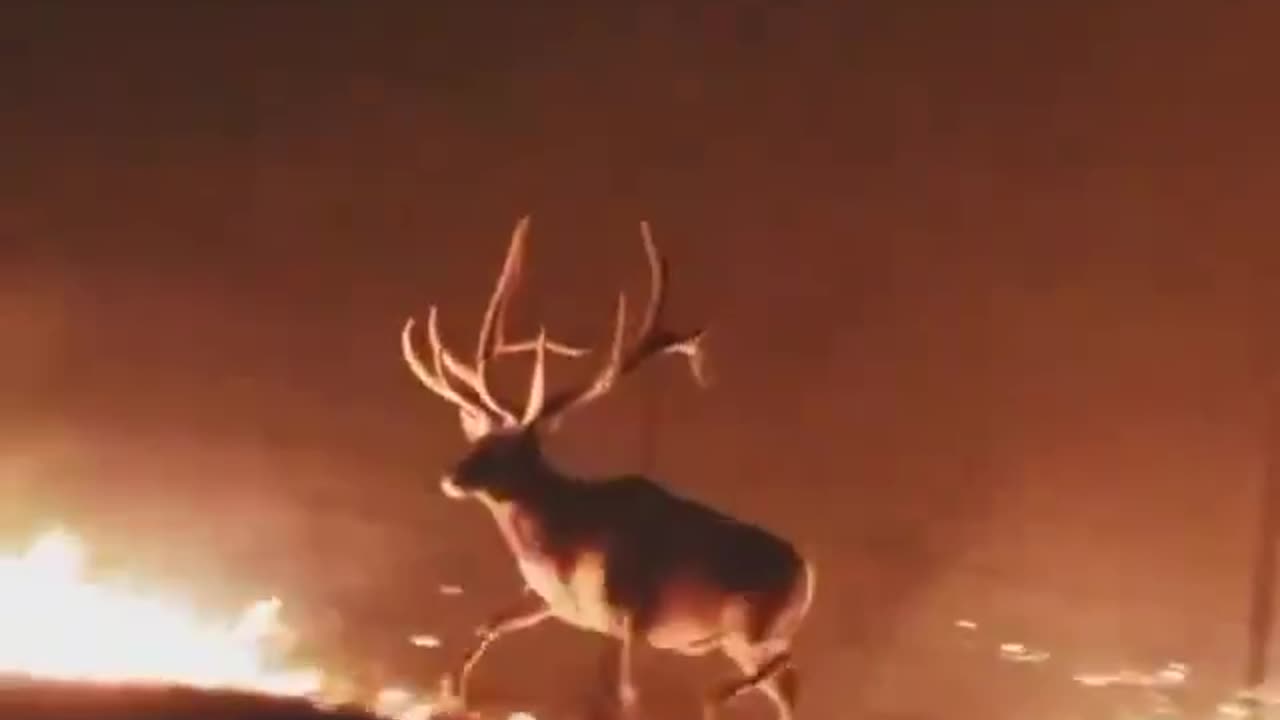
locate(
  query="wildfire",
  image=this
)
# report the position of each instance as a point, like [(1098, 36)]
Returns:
[(56, 624)]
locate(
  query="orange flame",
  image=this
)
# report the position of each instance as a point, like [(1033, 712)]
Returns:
[(58, 625)]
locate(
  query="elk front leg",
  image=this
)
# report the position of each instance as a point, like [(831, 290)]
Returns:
[(530, 611), (775, 676), (627, 695)]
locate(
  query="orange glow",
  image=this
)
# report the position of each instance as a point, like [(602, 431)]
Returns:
[(56, 624), (59, 625)]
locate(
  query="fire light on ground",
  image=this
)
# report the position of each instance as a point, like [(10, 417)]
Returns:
[(56, 624)]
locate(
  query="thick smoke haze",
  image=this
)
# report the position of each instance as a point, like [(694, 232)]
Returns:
[(989, 290)]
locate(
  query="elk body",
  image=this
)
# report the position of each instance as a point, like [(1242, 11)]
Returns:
[(621, 556)]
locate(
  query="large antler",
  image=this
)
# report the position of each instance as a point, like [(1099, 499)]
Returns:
[(479, 405), (476, 419), (652, 340)]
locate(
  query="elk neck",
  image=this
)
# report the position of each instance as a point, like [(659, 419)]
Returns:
[(530, 515), (539, 489)]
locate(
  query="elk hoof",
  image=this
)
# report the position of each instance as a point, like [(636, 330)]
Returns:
[(443, 713), (628, 698), (448, 709), (450, 701), (448, 686)]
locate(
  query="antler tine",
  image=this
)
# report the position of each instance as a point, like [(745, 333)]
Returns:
[(482, 407), (492, 341), (504, 347), (553, 347), (490, 328), (552, 408), (657, 281), (487, 342), (538, 384), (433, 378), (652, 340)]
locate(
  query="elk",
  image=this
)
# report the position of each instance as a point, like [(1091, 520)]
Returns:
[(621, 556)]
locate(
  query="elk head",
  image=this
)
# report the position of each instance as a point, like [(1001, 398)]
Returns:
[(505, 459)]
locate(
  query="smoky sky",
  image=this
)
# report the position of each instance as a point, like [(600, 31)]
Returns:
[(988, 287)]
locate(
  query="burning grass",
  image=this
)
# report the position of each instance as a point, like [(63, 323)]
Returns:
[(56, 624), (79, 648), (36, 699), (109, 646)]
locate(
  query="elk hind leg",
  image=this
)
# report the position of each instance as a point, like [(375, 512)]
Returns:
[(769, 671), (627, 695)]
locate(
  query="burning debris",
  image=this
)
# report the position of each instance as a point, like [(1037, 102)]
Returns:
[(424, 640), (1019, 653), (1156, 692), (1171, 675)]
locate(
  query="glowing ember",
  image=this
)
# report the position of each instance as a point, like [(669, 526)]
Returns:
[(1170, 675), (402, 705), (58, 625), (1019, 653), (425, 641)]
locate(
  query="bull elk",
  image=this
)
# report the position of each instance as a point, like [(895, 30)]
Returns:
[(620, 556)]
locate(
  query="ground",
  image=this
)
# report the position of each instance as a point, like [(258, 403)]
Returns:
[(22, 699), (25, 699)]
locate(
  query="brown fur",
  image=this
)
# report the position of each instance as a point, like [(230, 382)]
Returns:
[(625, 556)]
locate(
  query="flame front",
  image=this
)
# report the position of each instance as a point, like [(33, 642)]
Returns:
[(56, 624)]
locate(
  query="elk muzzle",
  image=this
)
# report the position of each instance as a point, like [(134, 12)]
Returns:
[(450, 488)]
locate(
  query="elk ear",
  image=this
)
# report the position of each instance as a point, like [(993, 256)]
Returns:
[(474, 425)]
